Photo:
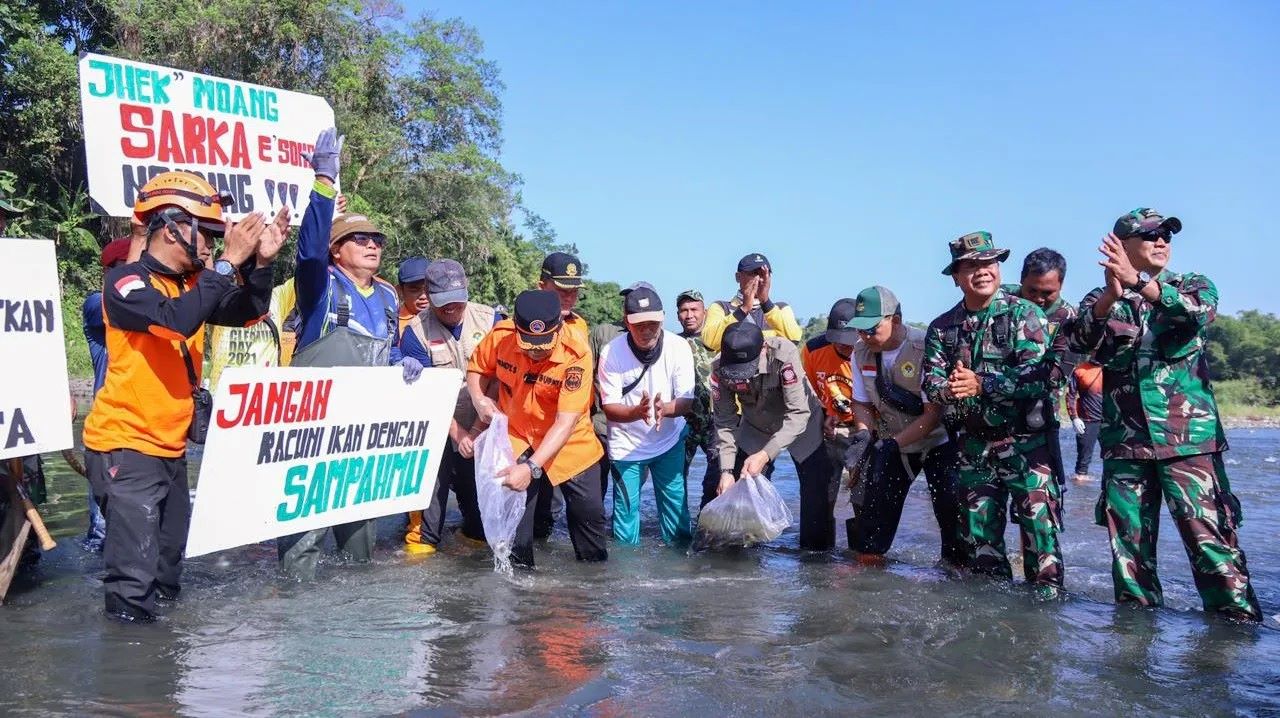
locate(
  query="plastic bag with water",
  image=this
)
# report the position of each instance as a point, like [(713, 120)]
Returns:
[(750, 512), (500, 508)]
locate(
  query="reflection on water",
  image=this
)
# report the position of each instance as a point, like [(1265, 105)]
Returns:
[(769, 631)]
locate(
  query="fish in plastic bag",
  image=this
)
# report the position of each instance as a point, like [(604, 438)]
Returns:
[(749, 512), (500, 508)]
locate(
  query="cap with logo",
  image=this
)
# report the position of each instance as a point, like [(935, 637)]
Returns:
[(873, 305), (974, 245), (563, 269), (840, 314), (413, 269), (752, 262), (740, 352), (537, 317), (1146, 222), (688, 295), (346, 224), (446, 283), (642, 304)]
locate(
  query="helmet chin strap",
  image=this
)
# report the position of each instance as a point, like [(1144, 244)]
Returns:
[(188, 244)]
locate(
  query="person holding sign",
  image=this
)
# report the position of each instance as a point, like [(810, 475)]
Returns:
[(542, 378), (347, 317), (136, 434), (446, 334), (646, 381)]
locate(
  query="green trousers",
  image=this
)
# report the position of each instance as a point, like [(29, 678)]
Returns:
[(1200, 501)]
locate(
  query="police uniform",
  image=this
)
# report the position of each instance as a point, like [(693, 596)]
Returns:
[(778, 411), (434, 344), (1001, 456), (1161, 433), (888, 382), (531, 394)]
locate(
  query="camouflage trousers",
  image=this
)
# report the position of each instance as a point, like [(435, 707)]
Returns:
[(1206, 514), (989, 480)]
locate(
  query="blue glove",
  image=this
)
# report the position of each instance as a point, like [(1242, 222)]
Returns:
[(324, 159), (411, 368)]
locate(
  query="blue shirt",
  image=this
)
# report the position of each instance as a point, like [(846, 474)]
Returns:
[(95, 333), (317, 282), (411, 346)]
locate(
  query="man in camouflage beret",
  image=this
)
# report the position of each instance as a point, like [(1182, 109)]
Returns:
[(1160, 429), (982, 364)]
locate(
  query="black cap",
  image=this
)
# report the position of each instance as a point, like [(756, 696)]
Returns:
[(740, 351), (752, 262), (563, 269), (642, 304), (841, 312), (537, 317)]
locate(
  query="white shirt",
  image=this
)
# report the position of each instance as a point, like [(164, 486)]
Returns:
[(887, 361), (671, 376)]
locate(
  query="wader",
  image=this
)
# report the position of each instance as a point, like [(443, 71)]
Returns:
[(342, 346)]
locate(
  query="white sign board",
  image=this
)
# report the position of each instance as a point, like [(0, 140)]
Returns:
[(141, 120), (35, 403), (292, 449)]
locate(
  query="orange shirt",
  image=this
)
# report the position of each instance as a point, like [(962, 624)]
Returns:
[(831, 376), (406, 316), (531, 394)]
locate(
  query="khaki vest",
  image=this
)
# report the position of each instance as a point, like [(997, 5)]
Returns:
[(906, 374), (447, 352)]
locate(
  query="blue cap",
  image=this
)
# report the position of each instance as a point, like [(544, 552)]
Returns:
[(413, 269)]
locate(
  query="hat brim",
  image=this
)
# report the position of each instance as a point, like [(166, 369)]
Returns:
[(452, 296), (358, 228), (864, 323), (842, 336), (535, 341), (638, 317), (739, 372), (982, 255), (411, 280), (1173, 224), (567, 282)]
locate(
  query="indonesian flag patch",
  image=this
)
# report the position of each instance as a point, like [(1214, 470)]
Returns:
[(127, 284)]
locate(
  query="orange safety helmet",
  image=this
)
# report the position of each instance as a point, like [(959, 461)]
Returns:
[(186, 191)]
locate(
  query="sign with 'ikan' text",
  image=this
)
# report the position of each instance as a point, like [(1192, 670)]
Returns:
[(35, 403), (293, 449), (141, 120)]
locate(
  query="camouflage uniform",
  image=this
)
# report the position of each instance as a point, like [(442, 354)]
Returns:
[(1161, 434), (1001, 457)]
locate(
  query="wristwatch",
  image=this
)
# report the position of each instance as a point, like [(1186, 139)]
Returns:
[(224, 267), (988, 383), (535, 471), (1141, 282)]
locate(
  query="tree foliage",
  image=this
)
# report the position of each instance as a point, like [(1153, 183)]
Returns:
[(419, 104), (1247, 346)]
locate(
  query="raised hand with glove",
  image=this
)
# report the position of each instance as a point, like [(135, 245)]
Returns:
[(324, 158)]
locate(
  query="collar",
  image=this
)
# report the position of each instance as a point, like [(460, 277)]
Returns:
[(155, 266)]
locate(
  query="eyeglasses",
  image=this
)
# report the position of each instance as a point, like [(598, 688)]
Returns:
[(364, 240)]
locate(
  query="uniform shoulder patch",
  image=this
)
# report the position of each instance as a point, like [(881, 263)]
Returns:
[(789, 375), (128, 283), (573, 378)]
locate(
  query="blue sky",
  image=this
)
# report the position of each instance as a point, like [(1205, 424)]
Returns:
[(851, 141)]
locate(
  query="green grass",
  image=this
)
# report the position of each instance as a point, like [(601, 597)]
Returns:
[(78, 364), (1244, 399)]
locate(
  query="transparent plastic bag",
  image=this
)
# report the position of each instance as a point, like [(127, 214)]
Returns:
[(500, 508), (750, 512)]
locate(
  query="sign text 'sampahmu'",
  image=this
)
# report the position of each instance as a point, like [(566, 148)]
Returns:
[(294, 449)]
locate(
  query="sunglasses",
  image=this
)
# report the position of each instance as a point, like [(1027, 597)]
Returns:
[(364, 240), (1155, 236)]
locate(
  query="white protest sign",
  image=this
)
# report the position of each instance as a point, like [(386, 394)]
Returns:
[(292, 449), (35, 403), (141, 120)]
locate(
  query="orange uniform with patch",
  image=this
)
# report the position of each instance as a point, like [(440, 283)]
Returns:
[(831, 376), (531, 394)]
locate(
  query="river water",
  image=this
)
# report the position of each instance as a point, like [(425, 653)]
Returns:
[(767, 631)]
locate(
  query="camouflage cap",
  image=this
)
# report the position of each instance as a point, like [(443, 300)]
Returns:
[(974, 245), (1146, 222)]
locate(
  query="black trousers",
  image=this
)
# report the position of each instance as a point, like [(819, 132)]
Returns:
[(1084, 445), (819, 486), (873, 528), (584, 512), (148, 509), (459, 475)]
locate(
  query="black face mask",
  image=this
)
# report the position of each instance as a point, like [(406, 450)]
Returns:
[(647, 357)]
